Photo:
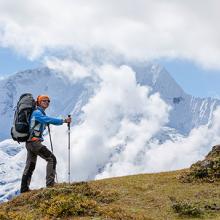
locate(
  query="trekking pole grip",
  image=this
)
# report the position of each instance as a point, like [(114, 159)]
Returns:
[(68, 124)]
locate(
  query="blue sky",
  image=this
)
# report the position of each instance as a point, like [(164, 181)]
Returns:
[(10, 62), (194, 79)]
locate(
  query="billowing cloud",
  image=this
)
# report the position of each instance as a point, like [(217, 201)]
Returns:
[(117, 130), (116, 135), (121, 113), (70, 68), (141, 30), (170, 155)]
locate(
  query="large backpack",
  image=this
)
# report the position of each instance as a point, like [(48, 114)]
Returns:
[(20, 130)]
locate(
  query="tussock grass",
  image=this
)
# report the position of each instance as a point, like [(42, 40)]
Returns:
[(146, 196)]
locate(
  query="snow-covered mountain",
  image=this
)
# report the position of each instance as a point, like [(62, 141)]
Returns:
[(187, 111), (64, 93), (69, 96)]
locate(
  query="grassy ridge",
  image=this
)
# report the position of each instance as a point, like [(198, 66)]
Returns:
[(146, 196)]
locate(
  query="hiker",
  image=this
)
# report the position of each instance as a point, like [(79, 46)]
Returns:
[(34, 146)]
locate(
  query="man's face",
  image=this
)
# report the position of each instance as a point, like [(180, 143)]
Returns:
[(44, 103)]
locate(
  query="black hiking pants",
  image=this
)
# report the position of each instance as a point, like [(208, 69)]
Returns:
[(35, 149)]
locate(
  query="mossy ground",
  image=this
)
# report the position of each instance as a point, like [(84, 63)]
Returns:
[(146, 196)]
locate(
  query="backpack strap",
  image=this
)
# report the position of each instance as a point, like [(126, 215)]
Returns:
[(33, 128), (31, 132)]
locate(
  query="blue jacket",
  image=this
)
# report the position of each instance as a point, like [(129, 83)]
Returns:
[(38, 122)]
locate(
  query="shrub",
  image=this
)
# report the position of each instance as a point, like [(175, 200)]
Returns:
[(187, 209)]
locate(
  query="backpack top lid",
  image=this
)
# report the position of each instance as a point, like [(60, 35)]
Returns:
[(25, 94), (25, 101)]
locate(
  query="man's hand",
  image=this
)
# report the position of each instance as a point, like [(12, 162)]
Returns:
[(67, 120)]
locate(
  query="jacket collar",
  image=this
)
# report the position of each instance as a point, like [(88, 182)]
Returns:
[(41, 109)]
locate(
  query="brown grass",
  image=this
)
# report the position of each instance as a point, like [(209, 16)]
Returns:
[(146, 196)]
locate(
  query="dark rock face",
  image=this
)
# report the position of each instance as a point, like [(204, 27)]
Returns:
[(206, 170)]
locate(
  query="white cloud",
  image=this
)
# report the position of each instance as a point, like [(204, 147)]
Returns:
[(70, 68), (187, 150), (120, 111), (170, 155), (115, 134), (141, 30)]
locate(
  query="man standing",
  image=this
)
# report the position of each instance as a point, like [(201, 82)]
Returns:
[(34, 146)]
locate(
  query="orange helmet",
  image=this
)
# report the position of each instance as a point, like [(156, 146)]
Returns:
[(42, 97)]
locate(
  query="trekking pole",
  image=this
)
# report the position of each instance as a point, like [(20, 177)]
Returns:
[(68, 124), (51, 145)]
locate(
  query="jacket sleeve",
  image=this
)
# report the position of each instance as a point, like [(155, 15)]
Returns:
[(39, 116)]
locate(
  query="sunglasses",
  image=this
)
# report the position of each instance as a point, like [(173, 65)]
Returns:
[(46, 101)]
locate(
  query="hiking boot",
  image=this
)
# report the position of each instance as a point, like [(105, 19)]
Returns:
[(25, 190), (52, 185)]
